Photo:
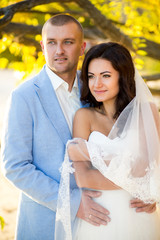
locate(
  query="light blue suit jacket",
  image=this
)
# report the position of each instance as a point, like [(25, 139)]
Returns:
[(32, 151)]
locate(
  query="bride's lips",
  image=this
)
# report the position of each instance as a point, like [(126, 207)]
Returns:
[(100, 91)]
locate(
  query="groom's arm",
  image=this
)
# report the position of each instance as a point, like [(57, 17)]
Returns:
[(91, 211), (17, 156)]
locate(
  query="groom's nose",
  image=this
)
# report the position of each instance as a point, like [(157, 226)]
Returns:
[(59, 49)]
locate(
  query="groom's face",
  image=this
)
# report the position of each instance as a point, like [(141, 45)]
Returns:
[(62, 46)]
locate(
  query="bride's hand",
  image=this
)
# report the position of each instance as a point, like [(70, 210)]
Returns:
[(142, 207), (91, 211)]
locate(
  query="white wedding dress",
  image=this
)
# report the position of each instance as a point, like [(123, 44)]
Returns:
[(126, 223)]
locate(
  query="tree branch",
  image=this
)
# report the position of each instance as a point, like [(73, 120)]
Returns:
[(107, 29), (85, 4), (152, 48), (155, 91), (105, 25), (23, 29), (28, 41), (152, 77), (20, 28), (9, 11), (110, 31), (7, 18), (79, 13)]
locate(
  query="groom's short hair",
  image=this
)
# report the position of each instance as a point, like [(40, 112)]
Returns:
[(62, 19)]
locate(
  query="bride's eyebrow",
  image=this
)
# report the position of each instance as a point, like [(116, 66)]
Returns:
[(91, 73), (105, 72), (100, 73)]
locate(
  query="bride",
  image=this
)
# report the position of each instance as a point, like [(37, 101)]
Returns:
[(117, 141)]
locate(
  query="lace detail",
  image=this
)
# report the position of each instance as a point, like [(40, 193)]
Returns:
[(63, 208), (146, 188)]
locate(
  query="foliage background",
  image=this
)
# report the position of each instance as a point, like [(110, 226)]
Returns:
[(134, 23)]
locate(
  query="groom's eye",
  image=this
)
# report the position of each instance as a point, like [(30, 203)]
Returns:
[(68, 42), (51, 43)]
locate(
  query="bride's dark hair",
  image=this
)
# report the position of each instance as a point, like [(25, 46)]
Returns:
[(121, 61)]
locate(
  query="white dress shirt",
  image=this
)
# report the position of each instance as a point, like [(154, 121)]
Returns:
[(69, 101)]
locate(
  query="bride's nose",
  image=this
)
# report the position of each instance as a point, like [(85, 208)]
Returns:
[(98, 81)]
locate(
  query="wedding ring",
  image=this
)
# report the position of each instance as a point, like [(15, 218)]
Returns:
[(90, 216)]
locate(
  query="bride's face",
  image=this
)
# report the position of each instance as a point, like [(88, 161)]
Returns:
[(103, 80)]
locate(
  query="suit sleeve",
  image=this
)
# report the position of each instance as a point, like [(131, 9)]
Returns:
[(17, 157)]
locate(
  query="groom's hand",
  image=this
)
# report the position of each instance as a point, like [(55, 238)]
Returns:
[(91, 211), (142, 207)]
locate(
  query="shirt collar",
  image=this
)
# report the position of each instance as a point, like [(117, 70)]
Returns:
[(57, 81)]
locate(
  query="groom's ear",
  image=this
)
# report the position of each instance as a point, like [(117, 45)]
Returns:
[(83, 47), (42, 46)]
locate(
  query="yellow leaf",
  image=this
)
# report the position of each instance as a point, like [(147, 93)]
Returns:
[(2, 223), (38, 37), (139, 67), (3, 62), (47, 16), (81, 19), (139, 61), (142, 52)]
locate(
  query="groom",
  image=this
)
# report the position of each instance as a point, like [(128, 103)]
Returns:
[(38, 125)]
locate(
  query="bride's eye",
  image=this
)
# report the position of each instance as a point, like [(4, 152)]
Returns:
[(106, 75), (90, 77)]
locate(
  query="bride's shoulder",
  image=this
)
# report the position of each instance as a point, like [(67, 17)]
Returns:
[(85, 112), (82, 123), (84, 116)]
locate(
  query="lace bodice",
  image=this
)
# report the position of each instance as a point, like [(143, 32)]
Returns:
[(101, 140), (112, 146)]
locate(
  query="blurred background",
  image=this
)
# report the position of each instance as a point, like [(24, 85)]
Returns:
[(133, 23)]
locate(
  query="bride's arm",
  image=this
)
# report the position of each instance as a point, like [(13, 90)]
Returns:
[(86, 176)]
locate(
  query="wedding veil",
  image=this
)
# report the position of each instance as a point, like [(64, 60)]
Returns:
[(136, 168)]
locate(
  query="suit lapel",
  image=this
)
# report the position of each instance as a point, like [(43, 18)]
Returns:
[(51, 106)]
